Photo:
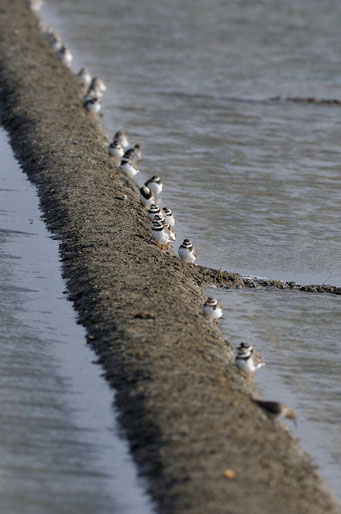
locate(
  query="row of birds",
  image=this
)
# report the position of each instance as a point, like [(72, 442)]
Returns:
[(247, 360), (162, 230)]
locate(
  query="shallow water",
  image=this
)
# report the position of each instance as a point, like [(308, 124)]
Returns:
[(298, 336), (59, 445), (254, 183)]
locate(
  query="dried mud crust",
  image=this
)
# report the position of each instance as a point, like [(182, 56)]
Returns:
[(187, 412)]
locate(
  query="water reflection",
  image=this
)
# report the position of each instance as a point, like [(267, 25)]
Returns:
[(59, 450)]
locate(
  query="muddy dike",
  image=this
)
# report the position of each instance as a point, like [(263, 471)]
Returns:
[(187, 412)]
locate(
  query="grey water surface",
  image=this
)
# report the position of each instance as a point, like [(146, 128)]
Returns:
[(60, 451), (254, 182)]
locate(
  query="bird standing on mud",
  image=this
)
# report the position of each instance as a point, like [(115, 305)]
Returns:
[(122, 137), (160, 234), (154, 184), (92, 105), (212, 309), (115, 150), (187, 252), (128, 165), (146, 197), (277, 409), (248, 360)]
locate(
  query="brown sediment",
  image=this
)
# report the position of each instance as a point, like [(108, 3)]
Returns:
[(207, 276), (193, 428), (308, 100)]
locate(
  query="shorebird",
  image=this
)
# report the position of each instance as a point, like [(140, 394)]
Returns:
[(122, 137), (92, 105), (154, 184), (98, 86), (137, 153), (35, 5), (172, 233), (187, 252), (248, 360), (160, 234), (115, 150), (53, 38), (158, 218), (169, 216), (129, 167), (85, 77), (146, 197), (154, 210), (212, 309), (276, 409), (65, 55)]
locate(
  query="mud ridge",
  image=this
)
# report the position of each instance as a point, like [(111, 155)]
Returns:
[(187, 412), (210, 276)]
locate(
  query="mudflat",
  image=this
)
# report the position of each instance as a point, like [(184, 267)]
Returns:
[(186, 410)]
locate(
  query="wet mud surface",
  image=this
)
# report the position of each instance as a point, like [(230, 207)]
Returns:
[(186, 410)]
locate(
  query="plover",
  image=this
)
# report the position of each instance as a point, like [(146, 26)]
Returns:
[(154, 184), (35, 5), (128, 165), (169, 216), (160, 219), (172, 233), (146, 197), (187, 252), (248, 360), (98, 86), (137, 153), (129, 154), (277, 409), (160, 234), (92, 105), (115, 150), (122, 137), (154, 210), (212, 309), (85, 77), (53, 38), (65, 55)]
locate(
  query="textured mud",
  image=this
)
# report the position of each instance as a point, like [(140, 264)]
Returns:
[(187, 412)]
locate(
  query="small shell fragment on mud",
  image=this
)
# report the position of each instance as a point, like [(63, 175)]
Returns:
[(229, 473)]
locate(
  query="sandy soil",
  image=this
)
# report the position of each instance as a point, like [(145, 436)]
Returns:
[(184, 407)]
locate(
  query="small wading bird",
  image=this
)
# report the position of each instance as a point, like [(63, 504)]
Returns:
[(212, 309), (172, 234), (276, 409), (128, 165), (115, 150), (146, 197), (160, 234), (248, 360), (135, 153), (97, 87), (65, 55), (154, 210), (92, 105), (85, 77), (122, 137), (154, 184), (188, 253), (169, 216)]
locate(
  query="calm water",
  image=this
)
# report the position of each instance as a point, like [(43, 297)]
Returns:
[(59, 448), (256, 184), (298, 335)]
